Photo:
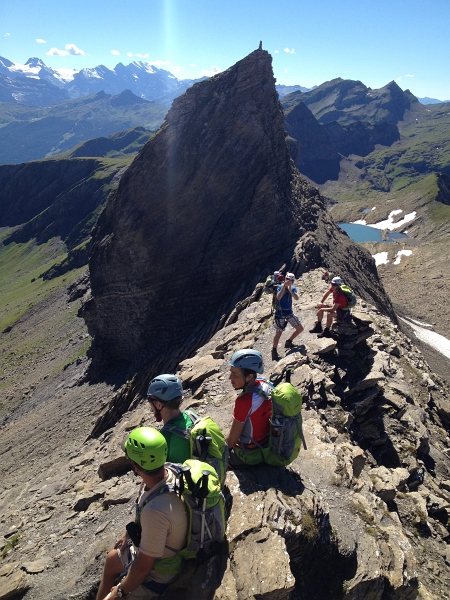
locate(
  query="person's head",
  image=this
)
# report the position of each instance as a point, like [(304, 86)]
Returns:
[(278, 276), (244, 366), (165, 391), (290, 278), (336, 282), (146, 448)]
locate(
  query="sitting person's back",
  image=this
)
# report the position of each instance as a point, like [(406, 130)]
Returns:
[(253, 409)]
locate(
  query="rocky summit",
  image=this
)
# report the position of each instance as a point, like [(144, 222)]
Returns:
[(210, 205)]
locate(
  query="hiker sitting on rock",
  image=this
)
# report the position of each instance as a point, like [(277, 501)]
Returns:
[(152, 562), (252, 410), (284, 314), (165, 394), (339, 310)]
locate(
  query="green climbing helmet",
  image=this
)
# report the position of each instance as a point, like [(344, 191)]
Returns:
[(248, 359), (165, 387), (146, 447)]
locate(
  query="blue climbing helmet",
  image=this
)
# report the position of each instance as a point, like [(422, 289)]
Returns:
[(165, 387), (248, 359)]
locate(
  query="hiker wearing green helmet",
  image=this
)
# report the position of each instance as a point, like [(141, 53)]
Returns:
[(252, 410), (159, 531), (165, 395)]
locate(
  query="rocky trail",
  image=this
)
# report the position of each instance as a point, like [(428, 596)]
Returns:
[(362, 513)]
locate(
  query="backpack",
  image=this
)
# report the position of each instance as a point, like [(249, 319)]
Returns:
[(285, 432), (197, 483), (207, 442), (349, 294)]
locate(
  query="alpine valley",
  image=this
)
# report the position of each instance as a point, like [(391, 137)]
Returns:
[(139, 216)]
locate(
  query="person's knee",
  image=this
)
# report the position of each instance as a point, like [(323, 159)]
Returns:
[(113, 564)]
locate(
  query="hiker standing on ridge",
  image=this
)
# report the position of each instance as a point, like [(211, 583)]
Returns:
[(152, 562), (284, 314), (249, 430), (165, 394), (339, 310)]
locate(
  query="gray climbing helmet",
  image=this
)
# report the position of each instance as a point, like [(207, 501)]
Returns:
[(248, 359), (165, 387)]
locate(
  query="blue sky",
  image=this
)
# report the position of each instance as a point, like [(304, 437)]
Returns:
[(311, 41)]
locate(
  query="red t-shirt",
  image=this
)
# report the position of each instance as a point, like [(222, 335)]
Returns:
[(339, 298), (254, 410)]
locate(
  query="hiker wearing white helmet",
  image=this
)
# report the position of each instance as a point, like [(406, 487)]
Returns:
[(338, 310), (284, 314)]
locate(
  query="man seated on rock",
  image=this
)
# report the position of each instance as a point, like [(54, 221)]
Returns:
[(339, 310), (151, 563), (249, 430), (165, 394), (284, 314)]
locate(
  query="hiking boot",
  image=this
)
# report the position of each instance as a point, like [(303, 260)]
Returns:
[(289, 344), (317, 328), (325, 333), (275, 354)]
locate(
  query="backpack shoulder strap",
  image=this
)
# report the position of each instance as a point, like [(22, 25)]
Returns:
[(184, 433)]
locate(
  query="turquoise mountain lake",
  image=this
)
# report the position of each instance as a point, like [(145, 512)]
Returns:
[(364, 233)]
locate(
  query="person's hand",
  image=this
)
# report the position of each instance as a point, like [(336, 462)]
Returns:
[(121, 543)]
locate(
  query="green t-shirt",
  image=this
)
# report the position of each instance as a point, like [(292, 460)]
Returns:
[(178, 449)]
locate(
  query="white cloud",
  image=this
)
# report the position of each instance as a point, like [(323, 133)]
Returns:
[(177, 69), (40, 41), (286, 71), (158, 63), (139, 55), (276, 52), (409, 75), (289, 51), (210, 72), (6, 34), (192, 65), (115, 52), (71, 49), (130, 54)]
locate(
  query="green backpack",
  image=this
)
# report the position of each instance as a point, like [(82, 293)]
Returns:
[(207, 442), (197, 483), (349, 294), (285, 432)]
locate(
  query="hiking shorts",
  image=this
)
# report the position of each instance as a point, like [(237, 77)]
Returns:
[(280, 323), (141, 592)]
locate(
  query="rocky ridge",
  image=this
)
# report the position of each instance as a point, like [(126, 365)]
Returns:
[(362, 513)]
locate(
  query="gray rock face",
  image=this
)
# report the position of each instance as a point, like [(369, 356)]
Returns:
[(209, 206)]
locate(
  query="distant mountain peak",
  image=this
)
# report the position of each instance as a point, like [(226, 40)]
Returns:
[(127, 98), (35, 62)]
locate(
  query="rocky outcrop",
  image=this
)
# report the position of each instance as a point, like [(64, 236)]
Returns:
[(316, 157), (210, 205), (361, 137), (443, 182)]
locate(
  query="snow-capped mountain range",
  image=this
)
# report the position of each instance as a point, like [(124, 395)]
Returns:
[(38, 85)]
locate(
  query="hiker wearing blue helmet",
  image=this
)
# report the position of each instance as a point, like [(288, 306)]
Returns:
[(165, 394), (252, 410)]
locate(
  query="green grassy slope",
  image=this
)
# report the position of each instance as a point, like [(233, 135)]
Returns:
[(29, 133)]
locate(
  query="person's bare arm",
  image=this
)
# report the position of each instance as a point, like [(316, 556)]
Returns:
[(235, 431)]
